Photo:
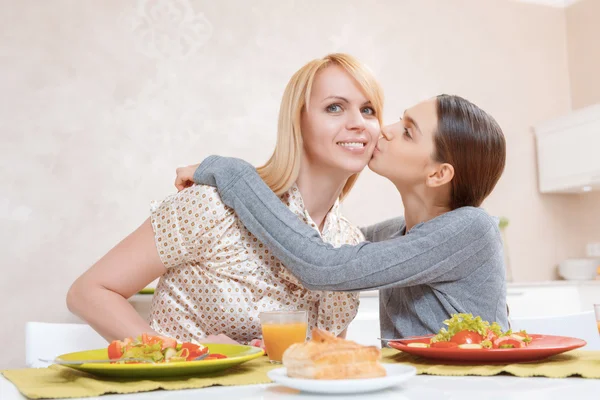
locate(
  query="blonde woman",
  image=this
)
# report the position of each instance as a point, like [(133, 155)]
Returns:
[(215, 276)]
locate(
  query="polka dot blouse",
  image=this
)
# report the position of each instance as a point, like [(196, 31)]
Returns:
[(220, 277)]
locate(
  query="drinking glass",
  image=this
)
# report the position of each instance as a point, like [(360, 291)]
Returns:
[(280, 330)]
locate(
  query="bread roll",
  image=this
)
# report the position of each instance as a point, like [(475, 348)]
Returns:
[(329, 357)]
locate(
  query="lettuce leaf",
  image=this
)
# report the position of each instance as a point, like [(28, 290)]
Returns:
[(460, 322), (150, 352)]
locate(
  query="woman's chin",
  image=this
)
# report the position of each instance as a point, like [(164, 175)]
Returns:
[(352, 168)]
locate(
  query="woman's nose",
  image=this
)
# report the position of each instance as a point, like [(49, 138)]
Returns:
[(386, 134), (356, 121)]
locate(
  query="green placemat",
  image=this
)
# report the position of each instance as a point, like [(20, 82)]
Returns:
[(573, 363), (63, 382), (57, 382)]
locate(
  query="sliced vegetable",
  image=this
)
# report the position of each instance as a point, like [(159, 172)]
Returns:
[(468, 332), (215, 356), (423, 345), (508, 340), (470, 346), (170, 353), (466, 337), (115, 350), (526, 338), (194, 350), (444, 345)]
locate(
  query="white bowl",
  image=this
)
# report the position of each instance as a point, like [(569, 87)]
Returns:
[(579, 269)]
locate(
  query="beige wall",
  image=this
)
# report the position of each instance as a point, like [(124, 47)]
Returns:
[(583, 48), (583, 44), (102, 100)]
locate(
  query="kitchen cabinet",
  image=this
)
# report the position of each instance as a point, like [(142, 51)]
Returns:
[(553, 298), (567, 152)]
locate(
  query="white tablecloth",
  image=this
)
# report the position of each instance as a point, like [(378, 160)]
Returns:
[(420, 387)]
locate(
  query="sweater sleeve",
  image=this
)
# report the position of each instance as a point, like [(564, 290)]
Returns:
[(448, 247), (383, 230)]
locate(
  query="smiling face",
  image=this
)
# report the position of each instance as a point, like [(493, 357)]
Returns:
[(404, 154), (339, 125)]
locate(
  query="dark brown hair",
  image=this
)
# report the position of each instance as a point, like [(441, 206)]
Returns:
[(471, 141)]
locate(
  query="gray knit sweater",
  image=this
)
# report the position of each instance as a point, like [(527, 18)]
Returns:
[(450, 264)]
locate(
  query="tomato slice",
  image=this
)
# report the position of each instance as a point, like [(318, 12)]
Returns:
[(166, 342), (149, 339), (507, 340), (215, 356), (194, 350), (491, 336), (466, 337), (444, 345), (115, 350)]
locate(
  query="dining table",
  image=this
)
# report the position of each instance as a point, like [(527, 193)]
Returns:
[(424, 387)]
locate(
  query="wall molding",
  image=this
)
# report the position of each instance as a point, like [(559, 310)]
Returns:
[(551, 3)]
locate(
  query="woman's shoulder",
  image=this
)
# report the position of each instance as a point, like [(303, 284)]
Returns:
[(476, 215), (197, 200), (462, 221), (468, 221)]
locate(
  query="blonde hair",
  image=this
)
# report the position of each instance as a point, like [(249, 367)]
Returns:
[(282, 169)]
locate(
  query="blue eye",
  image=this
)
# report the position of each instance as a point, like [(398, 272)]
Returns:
[(368, 111), (334, 108)]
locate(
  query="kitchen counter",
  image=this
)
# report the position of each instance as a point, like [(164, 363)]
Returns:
[(555, 283)]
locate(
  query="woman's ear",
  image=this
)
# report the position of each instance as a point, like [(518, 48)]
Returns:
[(441, 175)]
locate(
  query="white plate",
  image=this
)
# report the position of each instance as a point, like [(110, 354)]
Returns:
[(396, 374)]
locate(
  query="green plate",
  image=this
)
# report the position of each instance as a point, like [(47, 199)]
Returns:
[(236, 354)]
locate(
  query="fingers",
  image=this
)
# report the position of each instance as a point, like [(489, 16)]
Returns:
[(184, 178), (226, 339), (258, 343), (179, 184)]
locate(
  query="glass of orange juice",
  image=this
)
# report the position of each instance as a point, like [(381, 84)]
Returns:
[(597, 311), (281, 329)]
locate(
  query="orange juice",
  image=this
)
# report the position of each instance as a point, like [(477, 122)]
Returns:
[(598, 326), (278, 337)]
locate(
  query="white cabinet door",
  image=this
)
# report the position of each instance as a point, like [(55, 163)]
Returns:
[(543, 301), (567, 151), (589, 294)]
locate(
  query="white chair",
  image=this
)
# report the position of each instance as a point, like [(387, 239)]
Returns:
[(364, 329), (48, 340), (581, 325)]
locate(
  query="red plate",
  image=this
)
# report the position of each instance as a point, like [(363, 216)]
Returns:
[(541, 346)]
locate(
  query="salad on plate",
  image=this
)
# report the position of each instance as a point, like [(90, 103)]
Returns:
[(467, 332), (158, 349)]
